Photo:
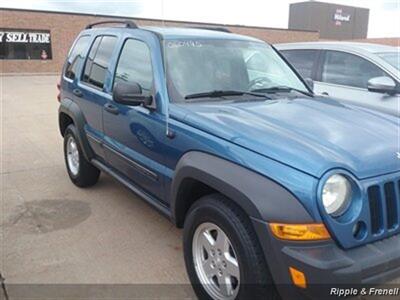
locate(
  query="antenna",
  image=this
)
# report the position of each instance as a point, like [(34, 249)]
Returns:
[(168, 132)]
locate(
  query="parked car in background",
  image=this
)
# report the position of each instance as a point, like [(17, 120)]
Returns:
[(360, 73)]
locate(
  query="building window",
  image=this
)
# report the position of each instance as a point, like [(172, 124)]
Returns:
[(25, 44)]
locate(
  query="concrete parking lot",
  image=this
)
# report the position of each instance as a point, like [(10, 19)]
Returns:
[(53, 232)]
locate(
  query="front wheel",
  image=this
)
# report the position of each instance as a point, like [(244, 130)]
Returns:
[(223, 257)]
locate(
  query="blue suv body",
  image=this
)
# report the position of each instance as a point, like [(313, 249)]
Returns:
[(275, 187)]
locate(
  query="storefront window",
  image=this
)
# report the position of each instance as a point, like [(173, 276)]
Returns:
[(25, 44)]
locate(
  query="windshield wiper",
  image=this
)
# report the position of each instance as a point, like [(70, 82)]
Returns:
[(282, 88), (222, 93)]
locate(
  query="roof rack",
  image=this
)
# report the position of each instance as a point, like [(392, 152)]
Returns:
[(128, 24), (222, 29)]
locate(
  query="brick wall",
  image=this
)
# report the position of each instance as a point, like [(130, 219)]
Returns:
[(64, 28), (383, 41)]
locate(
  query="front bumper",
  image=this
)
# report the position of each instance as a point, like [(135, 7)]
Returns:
[(326, 265)]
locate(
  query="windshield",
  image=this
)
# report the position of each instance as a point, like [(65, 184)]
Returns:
[(392, 58), (202, 66)]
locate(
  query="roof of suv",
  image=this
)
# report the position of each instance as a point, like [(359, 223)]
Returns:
[(372, 48), (184, 33)]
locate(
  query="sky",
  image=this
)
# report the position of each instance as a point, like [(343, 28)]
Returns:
[(384, 14)]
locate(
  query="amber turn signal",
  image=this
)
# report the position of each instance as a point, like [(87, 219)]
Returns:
[(300, 232), (298, 278)]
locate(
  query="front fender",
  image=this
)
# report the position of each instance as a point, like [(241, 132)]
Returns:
[(260, 197)]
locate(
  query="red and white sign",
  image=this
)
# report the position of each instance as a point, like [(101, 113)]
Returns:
[(43, 55), (340, 17)]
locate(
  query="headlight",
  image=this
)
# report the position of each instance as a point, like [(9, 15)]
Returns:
[(336, 195)]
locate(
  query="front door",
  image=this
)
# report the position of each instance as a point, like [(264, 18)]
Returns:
[(345, 76), (133, 133)]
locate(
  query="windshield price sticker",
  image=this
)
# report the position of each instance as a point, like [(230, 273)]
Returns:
[(177, 44), (373, 291)]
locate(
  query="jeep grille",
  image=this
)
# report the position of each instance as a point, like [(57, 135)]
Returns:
[(384, 205)]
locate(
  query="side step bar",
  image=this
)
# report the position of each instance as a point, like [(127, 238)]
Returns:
[(138, 191)]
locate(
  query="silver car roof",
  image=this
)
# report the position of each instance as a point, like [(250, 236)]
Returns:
[(366, 50), (369, 47)]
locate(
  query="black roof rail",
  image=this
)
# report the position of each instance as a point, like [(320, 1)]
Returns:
[(128, 24), (222, 29)]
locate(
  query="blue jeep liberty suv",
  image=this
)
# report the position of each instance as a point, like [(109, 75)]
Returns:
[(278, 191)]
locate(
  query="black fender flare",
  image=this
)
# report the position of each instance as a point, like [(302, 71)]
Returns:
[(260, 197), (72, 110)]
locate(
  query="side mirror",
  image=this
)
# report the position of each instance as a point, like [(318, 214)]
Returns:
[(130, 94), (382, 84), (310, 83)]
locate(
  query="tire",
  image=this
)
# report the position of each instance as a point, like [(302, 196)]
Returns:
[(81, 172), (254, 276)]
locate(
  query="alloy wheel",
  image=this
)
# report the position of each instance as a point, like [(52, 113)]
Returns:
[(216, 262)]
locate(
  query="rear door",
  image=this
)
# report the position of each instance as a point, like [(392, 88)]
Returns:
[(345, 76), (91, 93), (73, 65)]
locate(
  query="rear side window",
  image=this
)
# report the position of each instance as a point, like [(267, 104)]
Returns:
[(134, 65), (76, 55), (90, 58), (349, 70), (98, 60), (302, 60)]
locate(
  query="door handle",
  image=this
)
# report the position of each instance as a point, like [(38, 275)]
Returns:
[(111, 108), (77, 92), (325, 94)]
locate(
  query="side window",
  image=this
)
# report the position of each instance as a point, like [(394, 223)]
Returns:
[(98, 60), (302, 60), (348, 69), (90, 58), (76, 56), (134, 65)]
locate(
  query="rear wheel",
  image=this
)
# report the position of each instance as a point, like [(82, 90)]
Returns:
[(222, 254), (81, 172)]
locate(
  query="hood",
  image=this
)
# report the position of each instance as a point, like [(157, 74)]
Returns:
[(312, 135)]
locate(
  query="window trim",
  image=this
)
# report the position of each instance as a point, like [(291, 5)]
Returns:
[(323, 61), (86, 83), (119, 57)]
